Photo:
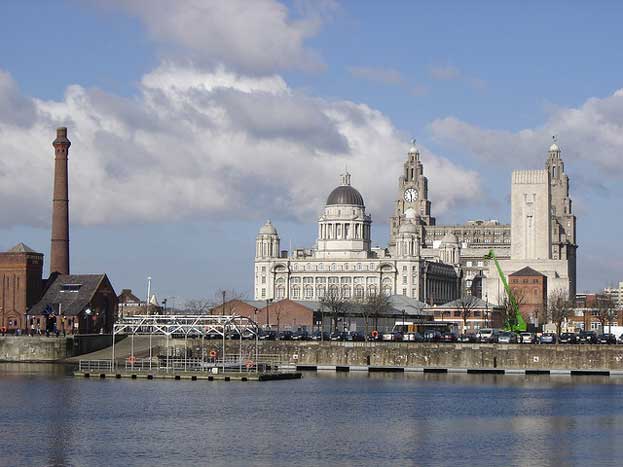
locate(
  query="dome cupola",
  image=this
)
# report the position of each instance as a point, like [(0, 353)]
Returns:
[(345, 194)]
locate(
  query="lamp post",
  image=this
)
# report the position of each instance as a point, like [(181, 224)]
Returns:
[(486, 310), (403, 321), (223, 309), (268, 302)]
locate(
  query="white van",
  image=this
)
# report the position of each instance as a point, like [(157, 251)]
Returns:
[(487, 334)]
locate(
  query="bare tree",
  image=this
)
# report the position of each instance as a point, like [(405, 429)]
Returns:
[(372, 306), (335, 304), (605, 310), (558, 308), (466, 305), (197, 306)]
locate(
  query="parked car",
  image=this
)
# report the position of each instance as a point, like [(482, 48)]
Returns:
[(607, 339), (413, 337), (392, 336), (488, 335), (568, 338), (507, 337), (355, 336), (620, 341), (268, 335), (337, 336), (449, 337), (432, 335), (548, 338), (320, 336), (467, 338), (527, 338), (587, 337), (286, 335), (300, 336)]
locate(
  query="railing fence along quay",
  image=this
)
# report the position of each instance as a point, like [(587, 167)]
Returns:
[(218, 364)]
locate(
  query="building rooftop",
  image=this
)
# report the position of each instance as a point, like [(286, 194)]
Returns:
[(22, 248), (526, 272), (68, 294)]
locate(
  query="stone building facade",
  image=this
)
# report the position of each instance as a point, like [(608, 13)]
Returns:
[(432, 263), (344, 262)]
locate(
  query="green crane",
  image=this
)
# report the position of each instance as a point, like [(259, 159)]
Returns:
[(519, 324)]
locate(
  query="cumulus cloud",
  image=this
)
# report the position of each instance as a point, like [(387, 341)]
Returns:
[(195, 144), (250, 36), (591, 133)]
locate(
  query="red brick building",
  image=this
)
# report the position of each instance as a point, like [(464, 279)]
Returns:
[(284, 315), (530, 290), (21, 269)]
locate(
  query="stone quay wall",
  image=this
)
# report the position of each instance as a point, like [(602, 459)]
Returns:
[(35, 349), (50, 349), (429, 355)]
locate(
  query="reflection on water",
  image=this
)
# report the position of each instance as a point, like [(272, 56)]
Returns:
[(52, 419)]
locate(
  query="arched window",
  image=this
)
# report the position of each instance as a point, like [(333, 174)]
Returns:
[(309, 293), (281, 293), (346, 292), (296, 292), (371, 290), (359, 292), (319, 291)]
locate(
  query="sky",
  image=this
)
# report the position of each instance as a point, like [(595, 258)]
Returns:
[(192, 122)]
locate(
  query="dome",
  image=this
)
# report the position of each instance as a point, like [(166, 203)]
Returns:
[(268, 229), (450, 239), (345, 194), (408, 228)]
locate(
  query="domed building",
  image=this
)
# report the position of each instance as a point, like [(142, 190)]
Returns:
[(343, 260), (432, 263)]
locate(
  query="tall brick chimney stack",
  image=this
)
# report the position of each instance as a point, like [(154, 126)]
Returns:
[(59, 251)]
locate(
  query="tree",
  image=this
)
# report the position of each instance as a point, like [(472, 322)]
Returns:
[(197, 306), (509, 314), (605, 310), (558, 308), (372, 306), (335, 304), (466, 305)]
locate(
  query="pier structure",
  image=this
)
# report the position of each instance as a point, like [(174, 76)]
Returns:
[(217, 364)]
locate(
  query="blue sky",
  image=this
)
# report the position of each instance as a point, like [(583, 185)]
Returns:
[(173, 172)]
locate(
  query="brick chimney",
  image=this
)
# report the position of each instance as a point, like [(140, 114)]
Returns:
[(59, 251)]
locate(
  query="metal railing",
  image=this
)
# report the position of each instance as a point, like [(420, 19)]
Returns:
[(88, 366)]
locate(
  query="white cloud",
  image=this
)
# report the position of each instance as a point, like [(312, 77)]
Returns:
[(591, 133), (196, 144), (250, 36)]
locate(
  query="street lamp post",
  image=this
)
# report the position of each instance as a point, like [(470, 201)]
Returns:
[(486, 310), (403, 321), (268, 302)]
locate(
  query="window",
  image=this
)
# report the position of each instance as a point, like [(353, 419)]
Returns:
[(404, 280), (263, 279), (457, 313), (469, 264), (309, 293), (296, 293), (414, 292), (70, 287), (404, 291), (404, 269), (263, 293), (263, 268)]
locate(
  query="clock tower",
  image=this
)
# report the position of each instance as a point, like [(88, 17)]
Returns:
[(412, 199)]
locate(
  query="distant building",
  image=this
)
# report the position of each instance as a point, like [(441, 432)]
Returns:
[(76, 303), (129, 304), (530, 290), (21, 269), (425, 261), (615, 294)]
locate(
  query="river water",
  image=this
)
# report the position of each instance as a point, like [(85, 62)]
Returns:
[(49, 418)]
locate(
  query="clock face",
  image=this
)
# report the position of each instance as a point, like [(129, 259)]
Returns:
[(410, 195)]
